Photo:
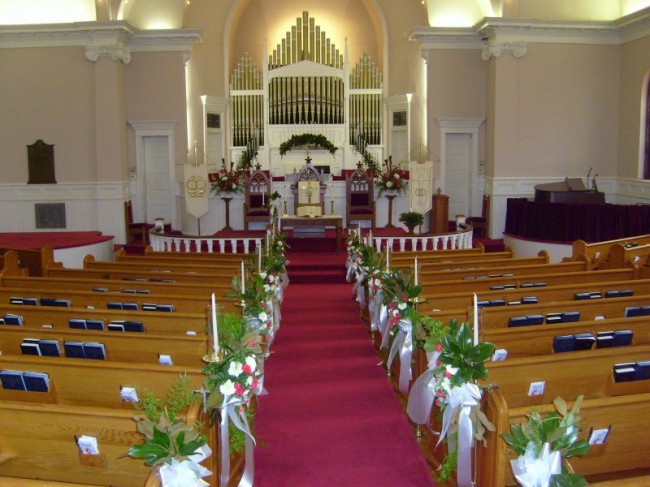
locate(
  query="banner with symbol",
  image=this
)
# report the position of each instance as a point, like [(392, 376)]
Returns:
[(420, 185), (197, 188)]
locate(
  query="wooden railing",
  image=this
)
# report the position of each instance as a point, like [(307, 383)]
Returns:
[(186, 243), (450, 241)]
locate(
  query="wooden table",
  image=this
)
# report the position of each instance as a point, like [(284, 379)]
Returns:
[(335, 221)]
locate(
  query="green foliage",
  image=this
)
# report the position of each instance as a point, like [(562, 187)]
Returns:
[(448, 465), (411, 219), (429, 333), (166, 436), (459, 351), (301, 140), (231, 328), (399, 285), (179, 398), (559, 429)]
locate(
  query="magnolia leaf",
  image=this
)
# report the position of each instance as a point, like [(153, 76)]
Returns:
[(484, 420), (567, 480), (580, 447), (560, 405), (161, 438)]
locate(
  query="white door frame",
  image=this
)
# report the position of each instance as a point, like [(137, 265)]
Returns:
[(468, 126), (151, 128)]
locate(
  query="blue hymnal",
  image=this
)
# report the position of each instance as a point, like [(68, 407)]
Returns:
[(36, 381), (12, 379), (130, 306), (94, 324), (631, 311), (564, 343), (77, 323), (535, 319), (518, 321), (584, 341), (136, 326), (529, 300), (622, 338), (642, 370), (114, 305), (94, 350), (30, 346), (49, 348), (604, 339), (624, 372), (10, 319), (62, 303), (570, 316), (74, 349)]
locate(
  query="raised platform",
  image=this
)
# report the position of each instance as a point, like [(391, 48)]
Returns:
[(70, 248)]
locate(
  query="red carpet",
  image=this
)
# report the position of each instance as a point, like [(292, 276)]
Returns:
[(331, 417)]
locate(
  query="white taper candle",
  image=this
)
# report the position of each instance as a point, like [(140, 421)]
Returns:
[(243, 285), (416, 271), (475, 320), (215, 332)]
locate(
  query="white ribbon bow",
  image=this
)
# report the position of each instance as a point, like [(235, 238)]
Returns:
[(403, 343), (421, 396), (240, 421), (186, 473), (537, 472), (461, 400), (374, 308)]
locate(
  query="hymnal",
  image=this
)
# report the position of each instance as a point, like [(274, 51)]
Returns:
[(36, 381), (564, 343), (116, 326), (74, 349), (604, 339), (165, 307), (114, 305), (570, 316), (584, 341), (100, 289), (77, 323), (624, 372), (62, 303), (49, 348), (642, 370), (130, 306), (535, 319), (142, 291), (30, 346), (529, 300), (622, 338), (631, 311), (554, 318), (134, 326), (94, 350), (497, 302), (148, 307), (94, 324), (612, 293), (517, 321), (12, 379), (10, 319)]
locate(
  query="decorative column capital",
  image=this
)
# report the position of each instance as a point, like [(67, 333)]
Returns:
[(115, 52), (497, 48)]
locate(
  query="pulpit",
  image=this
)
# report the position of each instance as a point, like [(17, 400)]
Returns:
[(308, 191), (571, 190)]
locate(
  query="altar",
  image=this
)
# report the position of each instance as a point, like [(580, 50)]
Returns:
[(297, 222)]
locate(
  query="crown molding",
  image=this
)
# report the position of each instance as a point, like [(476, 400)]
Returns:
[(117, 39), (505, 35)]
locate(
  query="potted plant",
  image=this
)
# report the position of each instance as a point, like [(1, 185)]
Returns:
[(411, 219)]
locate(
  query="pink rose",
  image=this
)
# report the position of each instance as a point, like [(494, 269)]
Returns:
[(247, 369), (255, 382), (239, 390), (439, 347)]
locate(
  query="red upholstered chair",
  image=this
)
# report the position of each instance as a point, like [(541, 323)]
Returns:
[(136, 233), (480, 223), (257, 196), (360, 197)]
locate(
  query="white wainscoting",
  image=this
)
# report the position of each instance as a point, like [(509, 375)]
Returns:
[(88, 206)]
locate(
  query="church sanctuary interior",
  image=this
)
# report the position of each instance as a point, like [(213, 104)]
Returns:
[(356, 243)]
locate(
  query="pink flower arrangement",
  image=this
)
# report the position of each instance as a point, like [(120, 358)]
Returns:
[(228, 180), (392, 178)]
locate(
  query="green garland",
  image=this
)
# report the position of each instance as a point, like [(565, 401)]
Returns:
[(307, 139)]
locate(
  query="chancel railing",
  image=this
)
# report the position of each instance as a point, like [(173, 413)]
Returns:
[(187, 243), (450, 241)]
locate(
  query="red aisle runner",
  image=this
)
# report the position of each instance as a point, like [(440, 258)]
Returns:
[(331, 418)]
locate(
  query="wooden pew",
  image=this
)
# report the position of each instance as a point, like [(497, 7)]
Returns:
[(528, 341), (112, 286), (36, 261), (621, 255), (623, 456), (181, 303), (125, 274), (9, 265), (594, 254), (160, 268), (189, 257), (498, 317), (153, 321), (143, 348), (451, 285), (483, 262), (566, 292), (431, 277)]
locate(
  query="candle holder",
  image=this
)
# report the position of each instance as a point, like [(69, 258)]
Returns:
[(285, 209), (418, 300), (216, 357), (331, 207)]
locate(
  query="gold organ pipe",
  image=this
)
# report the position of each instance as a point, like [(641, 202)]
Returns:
[(305, 36), (299, 39), (312, 40), (293, 44)]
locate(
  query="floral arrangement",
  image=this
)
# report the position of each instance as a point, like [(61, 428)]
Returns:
[(228, 180), (543, 442), (392, 178), (460, 364), (307, 139), (170, 442), (361, 146), (237, 375)]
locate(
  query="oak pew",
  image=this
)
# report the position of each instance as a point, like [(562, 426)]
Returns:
[(153, 321), (181, 303), (594, 254), (125, 274), (427, 266), (10, 266), (566, 292), (448, 255), (36, 261), (112, 286), (95, 383), (498, 317), (159, 268), (431, 277), (190, 257), (621, 255), (622, 457), (449, 284), (528, 341), (143, 348)]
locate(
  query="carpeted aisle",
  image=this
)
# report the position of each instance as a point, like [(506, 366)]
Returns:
[(331, 418)]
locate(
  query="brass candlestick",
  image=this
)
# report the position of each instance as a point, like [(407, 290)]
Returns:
[(331, 207), (285, 209)]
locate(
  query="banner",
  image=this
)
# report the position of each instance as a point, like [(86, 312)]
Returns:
[(420, 186), (197, 189)]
